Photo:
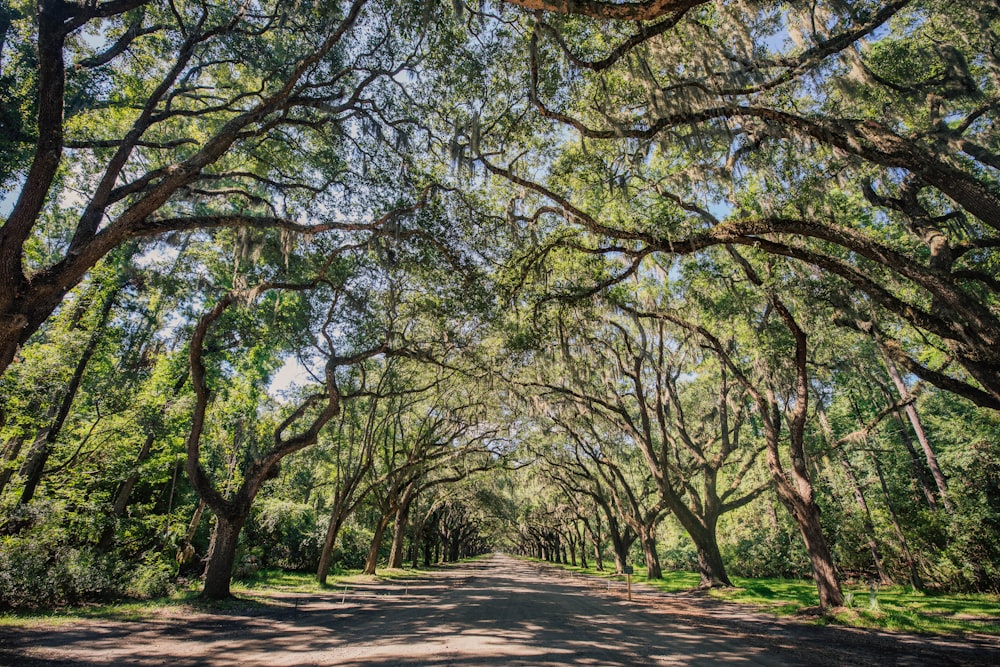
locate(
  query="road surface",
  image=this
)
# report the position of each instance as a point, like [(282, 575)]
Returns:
[(497, 611)]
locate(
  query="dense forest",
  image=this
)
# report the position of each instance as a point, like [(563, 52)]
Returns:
[(711, 286)]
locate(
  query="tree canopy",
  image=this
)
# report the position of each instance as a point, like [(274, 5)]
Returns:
[(331, 284)]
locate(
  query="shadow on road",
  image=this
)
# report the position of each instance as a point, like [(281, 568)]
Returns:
[(497, 611)]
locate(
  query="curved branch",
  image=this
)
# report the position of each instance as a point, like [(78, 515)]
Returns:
[(647, 10)]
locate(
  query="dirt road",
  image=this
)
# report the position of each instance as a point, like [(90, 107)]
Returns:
[(498, 611)]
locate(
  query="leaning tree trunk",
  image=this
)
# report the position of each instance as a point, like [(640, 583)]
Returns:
[(43, 447), (222, 553), (123, 494), (824, 572), (798, 498), (326, 556), (10, 453), (371, 562), (400, 522), (866, 518), (911, 563), (918, 429)]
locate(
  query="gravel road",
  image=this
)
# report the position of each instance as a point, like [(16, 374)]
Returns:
[(496, 611)]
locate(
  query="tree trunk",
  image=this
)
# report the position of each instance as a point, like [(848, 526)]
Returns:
[(326, 556), (10, 453), (824, 573), (918, 429), (911, 564), (371, 562), (653, 570), (124, 492), (222, 554), (595, 536), (400, 523), (710, 565), (40, 451), (918, 465), (866, 518), (581, 540)]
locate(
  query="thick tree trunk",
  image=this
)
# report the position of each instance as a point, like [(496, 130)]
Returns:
[(222, 554), (702, 531), (621, 555), (824, 573), (653, 570), (799, 501), (710, 565)]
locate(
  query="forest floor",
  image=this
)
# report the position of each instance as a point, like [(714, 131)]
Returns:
[(495, 611)]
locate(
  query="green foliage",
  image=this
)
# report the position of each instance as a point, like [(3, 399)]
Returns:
[(47, 564), (282, 534)]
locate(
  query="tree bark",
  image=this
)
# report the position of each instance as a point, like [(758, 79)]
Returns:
[(918, 429), (222, 553), (326, 556), (400, 523), (653, 569), (371, 562), (710, 564), (10, 453), (824, 573)]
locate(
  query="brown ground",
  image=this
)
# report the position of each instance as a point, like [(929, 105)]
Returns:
[(498, 611)]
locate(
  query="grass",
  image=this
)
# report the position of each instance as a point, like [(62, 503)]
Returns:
[(250, 593), (896, 608)]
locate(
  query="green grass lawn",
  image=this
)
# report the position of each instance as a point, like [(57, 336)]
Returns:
[(253, 592), (895, 608)]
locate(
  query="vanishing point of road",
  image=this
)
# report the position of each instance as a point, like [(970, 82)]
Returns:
[(495, 611)]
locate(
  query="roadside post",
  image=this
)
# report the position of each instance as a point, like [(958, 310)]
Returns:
[(628, 580)]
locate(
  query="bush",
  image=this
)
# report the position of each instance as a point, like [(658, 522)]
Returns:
[(153, 577), (284, 534), (770, 555), (36, 571)]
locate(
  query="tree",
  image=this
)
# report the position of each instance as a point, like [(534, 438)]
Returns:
[(298, 429), (623, 371), (826, 151), (179, 118)]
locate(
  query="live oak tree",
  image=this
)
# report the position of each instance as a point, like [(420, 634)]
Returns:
[(706, 130), (624, 371), (138, 118)]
